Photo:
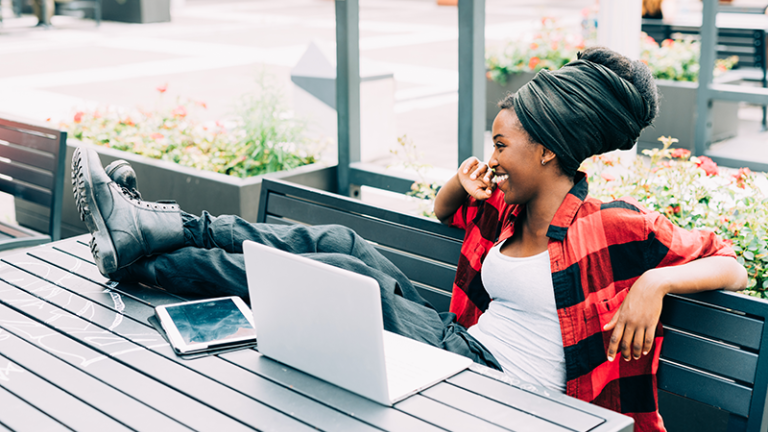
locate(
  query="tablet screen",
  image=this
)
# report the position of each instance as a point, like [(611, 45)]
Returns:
[(210, 322)]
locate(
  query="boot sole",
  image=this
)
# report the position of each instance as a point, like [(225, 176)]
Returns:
[(102, 248)]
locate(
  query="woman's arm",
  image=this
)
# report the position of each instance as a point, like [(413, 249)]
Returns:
[(473, 178), (634, 325)]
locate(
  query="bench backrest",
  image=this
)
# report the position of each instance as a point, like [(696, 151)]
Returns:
[(32, 162), (714, 350)]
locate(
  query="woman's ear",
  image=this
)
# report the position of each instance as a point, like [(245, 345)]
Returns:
[(547, 155)]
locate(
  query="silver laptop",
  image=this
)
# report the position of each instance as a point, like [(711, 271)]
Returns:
[(327, 322)]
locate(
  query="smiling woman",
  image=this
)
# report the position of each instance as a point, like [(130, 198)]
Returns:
[(606, 266)]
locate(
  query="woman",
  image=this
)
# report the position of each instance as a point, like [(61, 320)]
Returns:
[(554, 283), (533, 206)]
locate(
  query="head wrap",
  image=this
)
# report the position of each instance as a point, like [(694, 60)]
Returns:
[(581, 110)]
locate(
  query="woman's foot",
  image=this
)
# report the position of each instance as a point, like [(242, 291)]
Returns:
[(124, 228)]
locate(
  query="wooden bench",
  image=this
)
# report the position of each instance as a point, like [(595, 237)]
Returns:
[(715, 350), (32, 169)]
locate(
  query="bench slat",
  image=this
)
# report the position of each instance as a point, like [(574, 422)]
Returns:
[(712, 323), (709, 356), (729, 396), (23, 173), (24, 155), (422, 270), (385, 233), (23, 135), (26, 192)]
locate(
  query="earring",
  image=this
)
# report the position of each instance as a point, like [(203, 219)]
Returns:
[(543, 163)]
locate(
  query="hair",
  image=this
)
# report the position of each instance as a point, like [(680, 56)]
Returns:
[(634, 72)]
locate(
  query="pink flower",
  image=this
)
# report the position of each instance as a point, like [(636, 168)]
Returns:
[(681, 153), (180, 111), (79, 116), (201, 104), (162, 88), (607, 177), (741, 177), (157, 136), (708, 165), (533, 62), (534, 45)]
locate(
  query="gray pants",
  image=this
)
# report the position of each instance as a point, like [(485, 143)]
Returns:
[(211, 264)]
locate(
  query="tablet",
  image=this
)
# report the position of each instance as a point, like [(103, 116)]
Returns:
[(205, 325)]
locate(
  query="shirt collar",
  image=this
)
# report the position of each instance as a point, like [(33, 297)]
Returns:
[(569, 207)]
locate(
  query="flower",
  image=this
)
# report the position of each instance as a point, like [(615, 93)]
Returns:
[(162, 88), (678, 60), (707, 164), (551, 49), (180, 111), (741, 177), (157, 136), (78, 117), (607, 176), (679, 153)]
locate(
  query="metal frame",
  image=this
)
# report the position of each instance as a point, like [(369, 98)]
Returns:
[(471, 95), (707, 92)]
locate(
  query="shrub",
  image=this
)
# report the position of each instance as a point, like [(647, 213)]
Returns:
[(262, 138), (678, 60)]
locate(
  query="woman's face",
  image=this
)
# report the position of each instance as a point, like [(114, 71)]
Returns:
[(516, 160)]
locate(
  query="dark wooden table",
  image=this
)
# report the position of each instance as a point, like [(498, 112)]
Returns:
[(77, 354)]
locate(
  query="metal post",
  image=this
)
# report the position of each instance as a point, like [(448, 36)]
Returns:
[(471, 78), (347, 88), (703, 132)]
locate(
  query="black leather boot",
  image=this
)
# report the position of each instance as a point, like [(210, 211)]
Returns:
[(124, 228), (122, 173)]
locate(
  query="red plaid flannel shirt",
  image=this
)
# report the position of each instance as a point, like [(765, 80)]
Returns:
[(597, 251)]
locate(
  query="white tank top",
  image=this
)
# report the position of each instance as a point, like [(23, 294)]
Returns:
[(520, 327)]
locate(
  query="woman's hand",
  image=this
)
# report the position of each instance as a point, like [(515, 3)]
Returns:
[(634, 324), (475, 177)]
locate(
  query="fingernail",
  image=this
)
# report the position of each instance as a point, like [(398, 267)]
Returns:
[(645, 352), (610, 359), (627, 359)]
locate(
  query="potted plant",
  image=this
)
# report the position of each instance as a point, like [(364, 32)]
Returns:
[(675, 65), (216, 166), (509, 68)]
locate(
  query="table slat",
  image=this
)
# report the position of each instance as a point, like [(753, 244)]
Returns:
[(490, 410), (19, 415), (55, 402), (527, 401), (128, 380), (336, 397), (264, 391), (95, 393), (445, 416)]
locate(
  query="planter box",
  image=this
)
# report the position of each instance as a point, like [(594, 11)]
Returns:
[(677, 117), (495, 92), (193, 189), (136, 11)]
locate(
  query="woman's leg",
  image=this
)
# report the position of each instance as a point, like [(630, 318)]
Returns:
[(229, 232), (215, 272)]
